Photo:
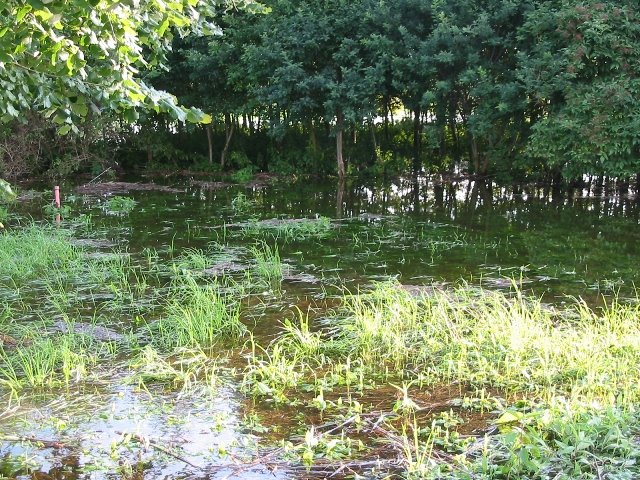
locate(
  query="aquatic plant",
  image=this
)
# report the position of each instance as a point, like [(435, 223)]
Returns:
[(196, 315), (267, 265), (188, 370), (46, 362), (241, 204), (290, 229), (194, 259), (35, 250), (120, 205), (272, 372), (482, 337)]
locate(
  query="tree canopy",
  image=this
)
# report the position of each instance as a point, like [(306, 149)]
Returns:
[(67, 59), (508, 88)]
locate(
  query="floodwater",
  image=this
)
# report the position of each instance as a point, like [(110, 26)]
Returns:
[(421, 233)]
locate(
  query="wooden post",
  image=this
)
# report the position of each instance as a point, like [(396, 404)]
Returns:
[(56, 198)]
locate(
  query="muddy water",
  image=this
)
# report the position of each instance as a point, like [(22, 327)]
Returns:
[(423, 234)]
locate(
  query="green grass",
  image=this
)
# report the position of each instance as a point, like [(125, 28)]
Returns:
[(197, 315), (4, 214), (289, 230), (569, 376), (34, 251), (267, 264), (241, 204), (120, 205), (480, 337), (48, 361), (187, 370)]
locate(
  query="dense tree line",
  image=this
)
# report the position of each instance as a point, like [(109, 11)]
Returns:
[(508, 88)]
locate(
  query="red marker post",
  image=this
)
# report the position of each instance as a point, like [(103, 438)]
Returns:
[(56, 198)]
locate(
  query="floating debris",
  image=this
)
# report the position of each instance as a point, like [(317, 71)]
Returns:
[(110, 188)]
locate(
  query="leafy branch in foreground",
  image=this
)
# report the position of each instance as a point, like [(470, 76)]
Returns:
[(72, 58)]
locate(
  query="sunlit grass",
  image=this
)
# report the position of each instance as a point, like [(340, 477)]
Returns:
[(187, 370), (197, 315), (33, 251), (481, 337), (268, 265), (47, 361)]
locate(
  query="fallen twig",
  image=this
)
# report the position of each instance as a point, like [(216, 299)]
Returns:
[(38, 441), (147, 442)]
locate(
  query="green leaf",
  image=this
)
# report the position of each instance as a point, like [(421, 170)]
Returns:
[(509, 417), (64, 129), (22, 12), (6, 192)]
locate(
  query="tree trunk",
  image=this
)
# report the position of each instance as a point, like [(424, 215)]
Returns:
[(475, 154), (313, 138), (339, 131), (374, 141), (210, 143), (417, 127), (454, 133), (228, 130), (340, 197)]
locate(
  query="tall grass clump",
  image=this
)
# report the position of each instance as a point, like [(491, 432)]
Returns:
[(291, 229), (34, 251), (272, 371), (268, 265), (197, 315), (120, 205), (46, 362), (481, 337)]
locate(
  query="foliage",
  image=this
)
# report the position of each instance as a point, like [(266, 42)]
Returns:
[(197, 316), (73, 59), (6, 192), (120, 205), (582, 72), (33, 250), (243, 175), (290, 229), (509, 88)]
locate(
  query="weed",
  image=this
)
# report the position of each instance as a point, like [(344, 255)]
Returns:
[(244, 174), (486, 338), (119, 205), (194, 259), (290, 230), (268, 266), (46, 362), (272, 372), (51, 210), (4, 214), (34, 251), (197, 315), (188, 370), (241, 204)]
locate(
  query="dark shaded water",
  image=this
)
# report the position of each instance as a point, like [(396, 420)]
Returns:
[(422, 234)]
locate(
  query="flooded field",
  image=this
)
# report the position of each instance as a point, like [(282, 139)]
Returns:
[(199, 329)]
